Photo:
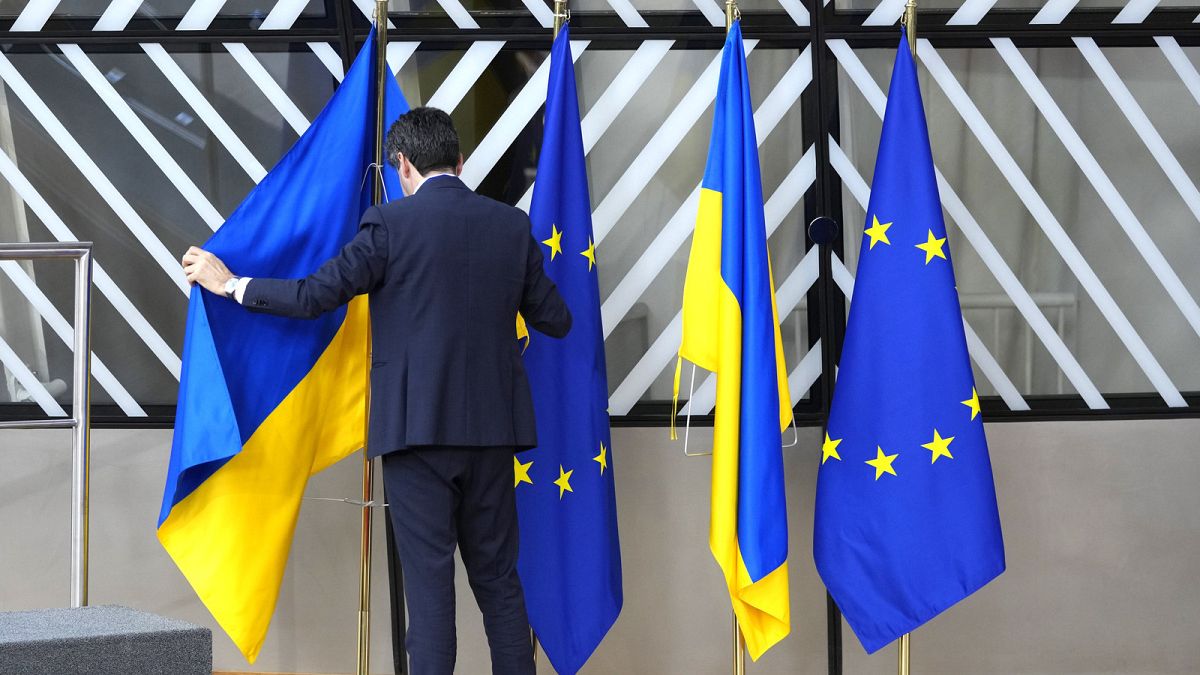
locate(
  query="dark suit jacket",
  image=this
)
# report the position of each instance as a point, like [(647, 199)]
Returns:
[(447, 271)]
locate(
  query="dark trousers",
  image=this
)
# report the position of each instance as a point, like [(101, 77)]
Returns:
[(440, 498)]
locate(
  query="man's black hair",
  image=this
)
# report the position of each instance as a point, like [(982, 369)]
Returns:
[(426, 136)]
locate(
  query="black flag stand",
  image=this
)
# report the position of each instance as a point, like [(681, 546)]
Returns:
[(396, 597)]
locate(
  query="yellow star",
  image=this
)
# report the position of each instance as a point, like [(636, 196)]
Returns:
[(521, 472), (564, 481), (877, 232), (602, 458), (882, 463), (829, 449), (554, 242), (973, 403), (933, 247), (590, 254), (940, 446)]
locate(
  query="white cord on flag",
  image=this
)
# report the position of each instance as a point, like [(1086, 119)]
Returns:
[(795, 434), (353, 502), (379, 174), (687, 427)]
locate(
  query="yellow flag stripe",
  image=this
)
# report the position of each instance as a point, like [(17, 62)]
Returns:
[(712, 339), (231, 536)]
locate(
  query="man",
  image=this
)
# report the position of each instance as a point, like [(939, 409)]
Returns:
[(447, 271)]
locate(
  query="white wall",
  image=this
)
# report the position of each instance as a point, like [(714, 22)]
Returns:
[(1101, 522)]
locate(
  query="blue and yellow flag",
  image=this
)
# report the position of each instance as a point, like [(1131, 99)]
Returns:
[(264, 401), (570, 560), (731, 327), (906, 518)]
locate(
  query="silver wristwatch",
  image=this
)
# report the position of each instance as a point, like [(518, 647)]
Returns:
[(231, 287)]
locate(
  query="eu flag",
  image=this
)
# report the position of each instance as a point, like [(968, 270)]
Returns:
[(731, 327), (264, 401), (906, 518), (570, 561)]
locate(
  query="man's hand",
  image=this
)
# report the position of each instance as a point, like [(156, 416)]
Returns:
[(206, 269)]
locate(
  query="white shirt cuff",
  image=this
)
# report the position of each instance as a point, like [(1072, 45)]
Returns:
[(240, 290)]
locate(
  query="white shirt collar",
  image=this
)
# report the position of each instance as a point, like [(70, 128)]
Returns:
[(432, 177)]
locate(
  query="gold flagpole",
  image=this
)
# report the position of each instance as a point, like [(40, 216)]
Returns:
[(368, 467), (902, 660), (909, 20), (732, 13), (561, 16), (739, 648)]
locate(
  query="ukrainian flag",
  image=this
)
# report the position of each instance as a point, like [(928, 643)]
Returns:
[(731, 327), (264, 401)]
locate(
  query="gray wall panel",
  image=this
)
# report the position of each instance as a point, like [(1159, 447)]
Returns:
[(1101, 522)]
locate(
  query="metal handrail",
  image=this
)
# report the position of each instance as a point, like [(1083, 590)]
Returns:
[(80, 421)]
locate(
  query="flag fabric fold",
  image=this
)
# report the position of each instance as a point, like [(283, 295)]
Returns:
[(731, 327), (570, 559), (264, 401), (906, 517)]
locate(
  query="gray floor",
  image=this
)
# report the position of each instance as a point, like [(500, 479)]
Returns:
[(104, 640)]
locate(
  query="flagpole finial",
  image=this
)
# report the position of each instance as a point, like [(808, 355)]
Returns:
[(909, 21), (732, 13), (561, 15)]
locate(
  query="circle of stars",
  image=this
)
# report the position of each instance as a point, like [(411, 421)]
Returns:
[(939, 446), (883, 463), (521, 470)]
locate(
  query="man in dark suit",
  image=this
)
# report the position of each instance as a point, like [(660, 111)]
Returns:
[(447, 271)]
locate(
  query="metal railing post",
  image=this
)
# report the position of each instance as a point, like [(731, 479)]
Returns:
[(81, 401), (81, 441)]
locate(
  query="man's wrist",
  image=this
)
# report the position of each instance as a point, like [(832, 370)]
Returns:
[(239, 290), (230, 286)]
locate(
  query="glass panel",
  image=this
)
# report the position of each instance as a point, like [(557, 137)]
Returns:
[(167, 8), (779, 152), (485, 101), (401, 6), (432, 6), (1074, 202), (93, 210), (637, 229), (35, 346), (1007, 4), (653, 204), (314, 8)]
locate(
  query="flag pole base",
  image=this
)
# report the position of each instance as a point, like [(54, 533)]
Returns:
[(364, 571), (364, 652), (534, 642), (739, 649)]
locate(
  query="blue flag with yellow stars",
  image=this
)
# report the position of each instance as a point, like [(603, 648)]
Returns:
[(906, 518), (570, 561)]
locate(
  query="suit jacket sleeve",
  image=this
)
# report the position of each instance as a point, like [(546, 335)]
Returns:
[(358, 268), (541, 304)]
